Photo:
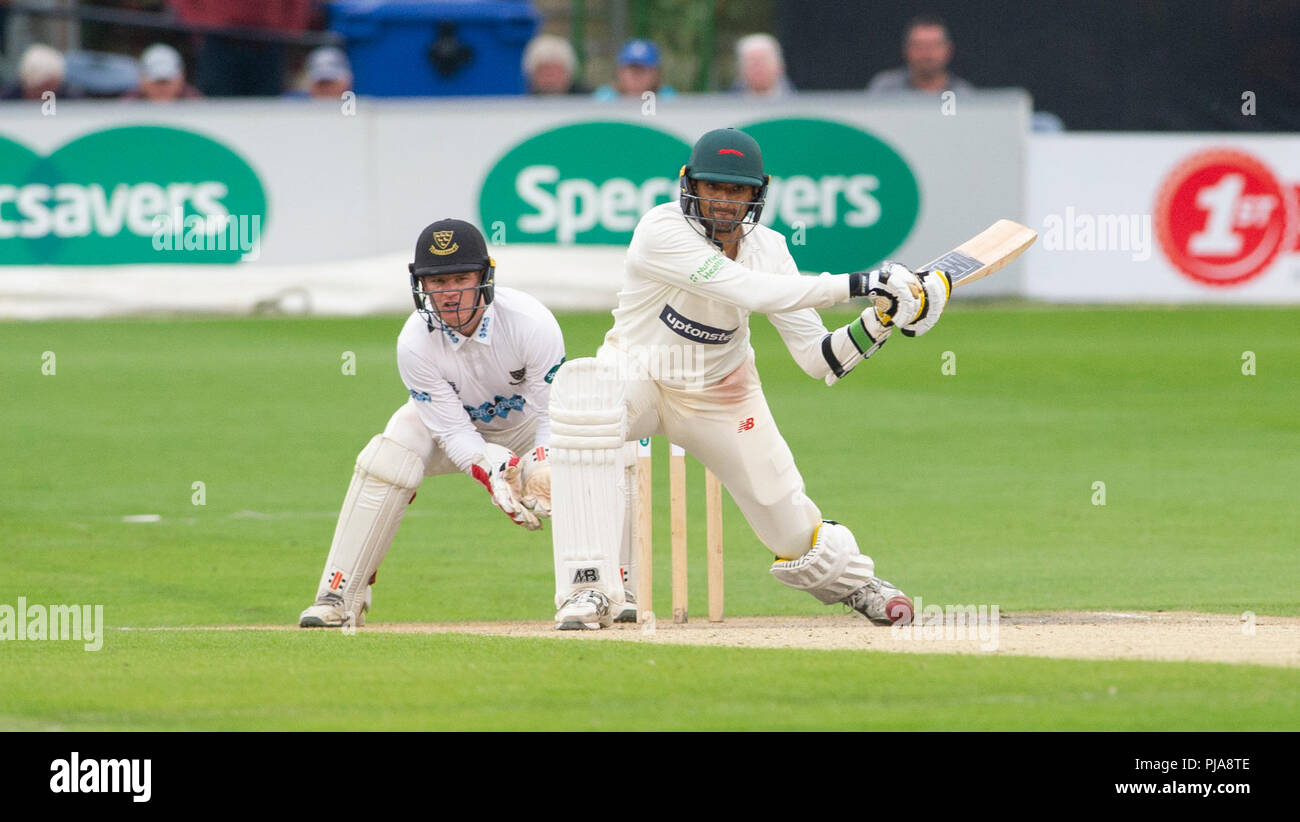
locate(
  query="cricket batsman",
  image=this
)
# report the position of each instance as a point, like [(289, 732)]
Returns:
[(478, 362), (678, 363)]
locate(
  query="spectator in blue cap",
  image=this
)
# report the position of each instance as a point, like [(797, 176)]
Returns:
[(637, 73)]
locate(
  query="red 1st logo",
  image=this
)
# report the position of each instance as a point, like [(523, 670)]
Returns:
[(1222, 217)]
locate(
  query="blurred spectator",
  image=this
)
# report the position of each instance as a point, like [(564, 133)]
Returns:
[(329, 74), (101, 73), (41, 69), (760, 67), (162, 76), (638, 71), (549, 65), (927, 50)]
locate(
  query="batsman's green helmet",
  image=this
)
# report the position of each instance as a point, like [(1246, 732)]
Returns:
[(727, 155), (724, 155)]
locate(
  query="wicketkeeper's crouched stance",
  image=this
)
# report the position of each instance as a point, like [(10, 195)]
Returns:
[(678, 363), (478, 362)]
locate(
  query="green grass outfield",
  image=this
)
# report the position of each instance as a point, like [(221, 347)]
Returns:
[(976, 487)]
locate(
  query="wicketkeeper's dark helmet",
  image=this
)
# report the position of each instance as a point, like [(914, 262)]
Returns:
[(450, 247), (724, 155)]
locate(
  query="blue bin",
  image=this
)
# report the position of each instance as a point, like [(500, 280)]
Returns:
[(436, 47)]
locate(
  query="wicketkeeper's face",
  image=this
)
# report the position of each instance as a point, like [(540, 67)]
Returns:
[(455, 297), (725, 203)]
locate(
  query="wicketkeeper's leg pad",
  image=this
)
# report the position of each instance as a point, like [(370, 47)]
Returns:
[(588, 428), (832, 569), (384, 481)]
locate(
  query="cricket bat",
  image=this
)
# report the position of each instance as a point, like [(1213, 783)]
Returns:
[(981, 255)]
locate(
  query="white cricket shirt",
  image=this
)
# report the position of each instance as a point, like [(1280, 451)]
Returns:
[(680, 289), (498, 379)]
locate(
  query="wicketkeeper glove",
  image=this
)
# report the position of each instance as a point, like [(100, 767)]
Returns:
[(938, 287), (491, 470), (530, 479)]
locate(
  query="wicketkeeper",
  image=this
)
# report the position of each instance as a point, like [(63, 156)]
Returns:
[(478, 362), (678, 363)]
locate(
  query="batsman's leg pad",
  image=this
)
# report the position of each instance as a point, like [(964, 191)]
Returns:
[(384, 480), (588, 425), (832, 569)]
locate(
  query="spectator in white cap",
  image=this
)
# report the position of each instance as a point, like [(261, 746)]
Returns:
[(638, 71), (549, 65), (760, 67), (162, 76), (329, 74), (42, 69)]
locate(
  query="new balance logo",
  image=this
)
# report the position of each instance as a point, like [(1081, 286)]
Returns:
[(745, 425), (584, 576)]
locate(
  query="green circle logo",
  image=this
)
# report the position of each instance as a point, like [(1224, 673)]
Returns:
[(138, 194), (843, 198), (582, 183)]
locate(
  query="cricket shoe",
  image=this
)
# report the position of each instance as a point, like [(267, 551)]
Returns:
[(328, 612), (628, 614), (584, 610), (881, 602)]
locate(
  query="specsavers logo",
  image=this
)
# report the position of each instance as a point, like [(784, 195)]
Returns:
[(843, 198), (584, 183), (139, 194)]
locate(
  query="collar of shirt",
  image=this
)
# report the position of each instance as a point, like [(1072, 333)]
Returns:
[(483, 334), (746, 247)]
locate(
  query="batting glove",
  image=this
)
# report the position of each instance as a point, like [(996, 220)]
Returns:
[(938, 287), (895, 290)]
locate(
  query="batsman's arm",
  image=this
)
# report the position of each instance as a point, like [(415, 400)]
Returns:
[(669, 251), (802, 331), (827, 355), (850, 344)]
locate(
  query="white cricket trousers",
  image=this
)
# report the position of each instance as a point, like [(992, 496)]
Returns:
[(729, 428)]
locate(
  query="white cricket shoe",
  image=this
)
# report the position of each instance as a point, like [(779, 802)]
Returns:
[(328, 612), (628, 614), (881, 602), (584, 610)]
